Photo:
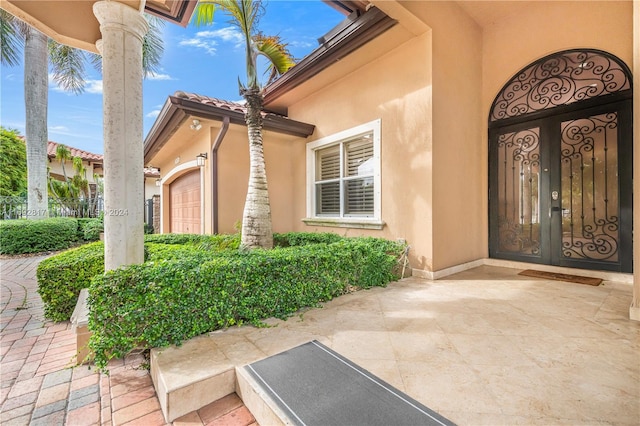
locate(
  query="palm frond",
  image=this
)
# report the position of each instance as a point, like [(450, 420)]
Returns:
[(152, 46), (11, 39), (276, 52), (67, 64), (95, 60)]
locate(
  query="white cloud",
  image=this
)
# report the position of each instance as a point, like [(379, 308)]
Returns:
[(208, 40), (58, 129), (303, 44), (153, 114), (157, 76), (206, 45), (230, 34), (11, 77), (93, 86)]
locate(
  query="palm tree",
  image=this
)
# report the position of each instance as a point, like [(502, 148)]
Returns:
[(69, 73), (245, 14)]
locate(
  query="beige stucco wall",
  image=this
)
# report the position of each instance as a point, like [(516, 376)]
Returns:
[(234, 177), (178, 155), (396, 88), (458, 157), (431, 151)]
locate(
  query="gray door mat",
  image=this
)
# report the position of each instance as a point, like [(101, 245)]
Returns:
[(314, 385)]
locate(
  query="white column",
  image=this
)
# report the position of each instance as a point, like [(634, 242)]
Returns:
[(634, 310), (122, 29)]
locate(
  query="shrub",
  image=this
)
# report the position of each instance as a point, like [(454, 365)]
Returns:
[(303, 238), (34, 236), (167, 301), (90, 229), (61, 277)]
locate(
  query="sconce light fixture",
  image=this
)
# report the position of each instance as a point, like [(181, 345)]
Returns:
[(158, 182), (200, 159), (196, 125)]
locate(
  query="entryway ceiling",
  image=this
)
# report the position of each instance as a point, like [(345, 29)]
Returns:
[(487, 13), (73, 22)]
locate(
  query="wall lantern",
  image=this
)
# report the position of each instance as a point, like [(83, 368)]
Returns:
[(196, 125), (200, 159)]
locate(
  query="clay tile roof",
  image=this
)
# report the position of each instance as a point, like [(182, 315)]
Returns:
[(151, 172), (221, 103), (75, 152)]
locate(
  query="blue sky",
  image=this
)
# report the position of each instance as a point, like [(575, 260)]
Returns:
[(206, 60)]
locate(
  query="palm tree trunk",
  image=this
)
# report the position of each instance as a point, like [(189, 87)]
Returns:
[(36, 98), (256, 219)]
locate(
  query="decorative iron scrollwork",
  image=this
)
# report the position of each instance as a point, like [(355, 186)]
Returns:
[(518, 199), (590, 223), (560, 79)]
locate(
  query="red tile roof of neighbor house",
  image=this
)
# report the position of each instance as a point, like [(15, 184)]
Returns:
[(75, 152), (151, 172)]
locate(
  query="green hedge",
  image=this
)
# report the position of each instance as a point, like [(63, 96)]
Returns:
[(61, 277), (90, 229), (166, 302), (34, 236), (291, 239)]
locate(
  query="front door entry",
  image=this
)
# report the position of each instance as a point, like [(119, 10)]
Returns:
[(560, 163), (561, 189)]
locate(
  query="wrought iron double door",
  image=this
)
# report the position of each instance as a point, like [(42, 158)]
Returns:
[(560, 189)]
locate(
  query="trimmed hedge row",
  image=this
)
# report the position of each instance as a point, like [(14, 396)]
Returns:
[(20, 236), (166, 302), (61, 277)]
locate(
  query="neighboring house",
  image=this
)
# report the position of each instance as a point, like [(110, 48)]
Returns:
[(93, 163), (472, 130)]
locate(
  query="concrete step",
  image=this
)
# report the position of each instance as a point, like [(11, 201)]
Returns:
[(204, 369)]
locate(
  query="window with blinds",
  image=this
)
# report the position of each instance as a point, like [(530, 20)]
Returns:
[(344, 178)]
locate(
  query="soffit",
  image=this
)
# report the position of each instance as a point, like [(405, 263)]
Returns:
[(73, 23)]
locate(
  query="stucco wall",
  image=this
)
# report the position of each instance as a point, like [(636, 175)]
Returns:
[(458, 157), (432, 154), (234, 177), (396, 88), (233, 164)]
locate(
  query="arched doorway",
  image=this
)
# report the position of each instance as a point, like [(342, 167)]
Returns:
[(560, 163)]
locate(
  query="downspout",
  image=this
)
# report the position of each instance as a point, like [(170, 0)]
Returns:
[(214, 173)]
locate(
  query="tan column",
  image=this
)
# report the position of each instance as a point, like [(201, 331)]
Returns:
[(634, 310), (122, 29)]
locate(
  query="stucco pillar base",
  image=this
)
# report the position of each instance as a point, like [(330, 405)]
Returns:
[(634, 313), (122, 29)]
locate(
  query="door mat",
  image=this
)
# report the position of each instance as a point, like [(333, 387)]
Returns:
[(314, 385), (561, 277)]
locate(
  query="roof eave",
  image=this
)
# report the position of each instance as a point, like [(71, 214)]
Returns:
[(176, 109), (363, 28)]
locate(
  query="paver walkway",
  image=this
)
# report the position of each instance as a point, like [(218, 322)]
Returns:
[(40, 386)]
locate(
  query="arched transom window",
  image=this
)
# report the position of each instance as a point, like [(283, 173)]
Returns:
[(561, 79)]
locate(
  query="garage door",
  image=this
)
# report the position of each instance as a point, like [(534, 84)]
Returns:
[(184, 194)]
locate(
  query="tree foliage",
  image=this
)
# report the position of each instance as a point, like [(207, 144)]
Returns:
[(13, 164)]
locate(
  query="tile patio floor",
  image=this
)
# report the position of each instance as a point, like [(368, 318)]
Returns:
[(485, 346)]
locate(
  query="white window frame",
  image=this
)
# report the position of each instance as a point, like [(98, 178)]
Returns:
[(369, 222)]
